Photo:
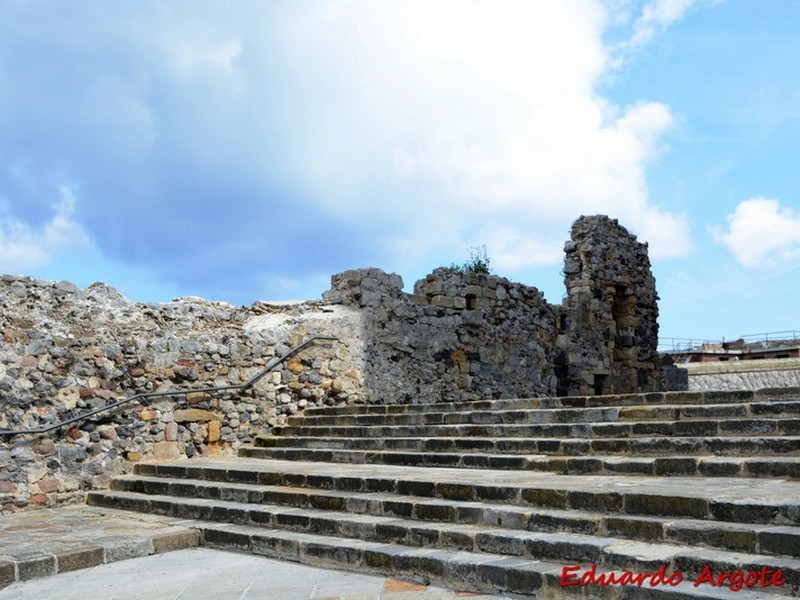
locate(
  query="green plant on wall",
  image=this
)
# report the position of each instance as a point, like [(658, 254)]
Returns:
[(479, 262)]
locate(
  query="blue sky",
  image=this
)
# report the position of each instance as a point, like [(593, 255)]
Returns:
[(247, 151)]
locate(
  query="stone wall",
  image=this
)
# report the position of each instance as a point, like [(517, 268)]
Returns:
[(743, 375), (64, 351), (611, 329), (458, 336)]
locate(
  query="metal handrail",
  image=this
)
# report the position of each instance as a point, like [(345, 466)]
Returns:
[(668, 345), (239, 386)]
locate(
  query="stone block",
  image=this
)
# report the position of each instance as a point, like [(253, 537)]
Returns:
[(566, 547), (500, 543), (7, 573), (193, 415), (79, 558), (524, 578), (167, 450), (171, 431), (481, 303), (399, 509), (719, 535), (472, 290), (49, 485), (417, 488), (455, 491), (444, 301), (656, 504), (224, 538), (743, 511), (635, 528), (781, 541), (197, 397), (432, 288), (435, 512), (295, 365), (494, 574), (608, 501), (545, 497), (675, 466), (213, 431), (35, 564)]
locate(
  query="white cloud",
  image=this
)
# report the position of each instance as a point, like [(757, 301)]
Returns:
[(510, 250), (24, 247), (761, 233), (656, 17), (667, 233), (480, 117), (391, 132)]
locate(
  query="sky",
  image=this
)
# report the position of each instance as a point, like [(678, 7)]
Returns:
[(245, 151)]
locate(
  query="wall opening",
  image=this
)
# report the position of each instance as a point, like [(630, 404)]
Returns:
[(599, 384), (623, 311)]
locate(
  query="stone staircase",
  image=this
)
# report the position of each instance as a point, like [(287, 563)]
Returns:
[(520, 496)]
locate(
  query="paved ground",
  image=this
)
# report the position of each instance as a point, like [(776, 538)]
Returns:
[(199, 573), (87, 547)]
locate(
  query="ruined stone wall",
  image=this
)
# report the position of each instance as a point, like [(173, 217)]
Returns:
[(64, 351), (459, 336), (611, 328)]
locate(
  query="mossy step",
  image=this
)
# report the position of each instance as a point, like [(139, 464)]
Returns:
[(607, 553), (713, 442), (783, 424), (742, 500), (523, 453), (678, 398), (740, 537), (509, 416), (664, 465), (463, 570)]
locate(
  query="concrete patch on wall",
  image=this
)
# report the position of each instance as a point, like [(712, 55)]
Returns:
[(743, 375)]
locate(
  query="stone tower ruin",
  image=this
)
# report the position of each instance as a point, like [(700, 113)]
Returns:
[(608, 326)]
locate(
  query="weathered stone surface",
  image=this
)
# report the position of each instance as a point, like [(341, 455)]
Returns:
[(34, 565), (610, 316), (193, 415), (79, 558), (213, 431), (459, 336), (166, 450), (7, 573)]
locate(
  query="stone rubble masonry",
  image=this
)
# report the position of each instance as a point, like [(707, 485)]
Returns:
[(458, 336), (611, 329), (64, 351)]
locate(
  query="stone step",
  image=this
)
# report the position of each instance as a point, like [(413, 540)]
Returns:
[(739, 537), (673, 398), (786, 425), (716, 445), (607, 553), (507, 416), (707, 466), (478, 572), (519, 453), (733, 500)]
